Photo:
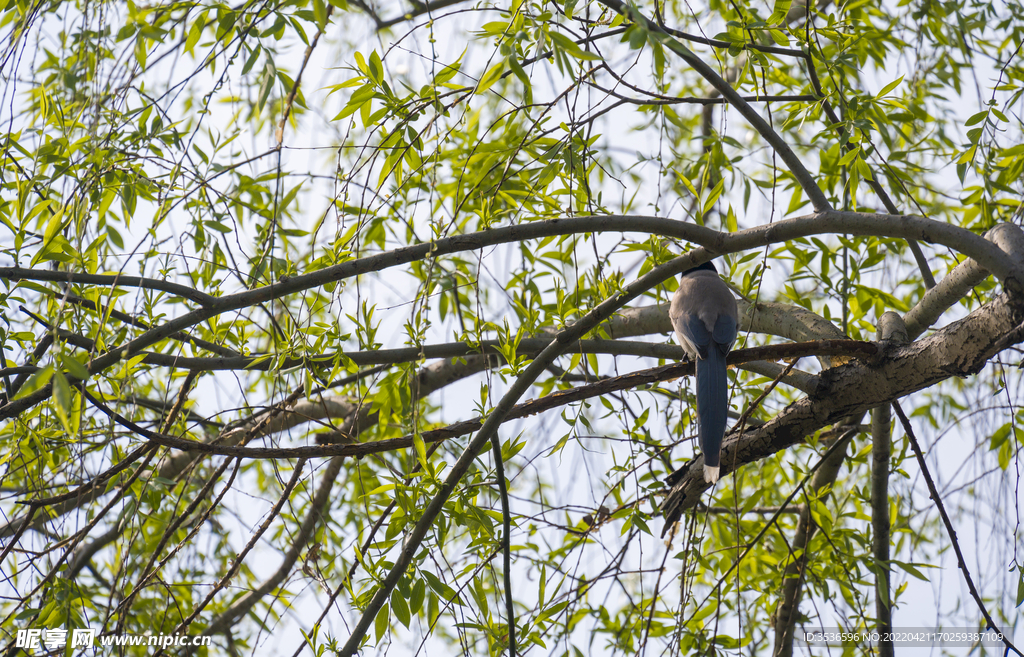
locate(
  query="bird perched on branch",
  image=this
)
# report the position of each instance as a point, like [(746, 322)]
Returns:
[(703, 313)]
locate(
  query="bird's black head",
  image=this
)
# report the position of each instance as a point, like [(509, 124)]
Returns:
[(707, 266)]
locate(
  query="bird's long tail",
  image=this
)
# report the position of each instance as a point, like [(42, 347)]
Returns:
[(712, 409)]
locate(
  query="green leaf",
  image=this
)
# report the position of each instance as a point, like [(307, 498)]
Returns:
[(636, 35), (75, 367), (517, 70), (418, 594), (779, 37), (421, 448), (108, 197), (571, 47), (443, 591), (712, 198), (251, 60), (320, 12), (976, 118), (780, 12), (889, 87), (194, 33), (34, 382), (380, 624), (376, 68), (140, 52), (912, 568), (62, 399), (490, 77), (266, 86), (53, 226), (448, 72), (399, 606)]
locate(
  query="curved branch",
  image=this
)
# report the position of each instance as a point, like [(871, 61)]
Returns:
[(106, 280), (959, 282), (974, 246)]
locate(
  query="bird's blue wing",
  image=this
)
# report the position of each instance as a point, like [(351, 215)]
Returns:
[(725, 332), (692, 330)]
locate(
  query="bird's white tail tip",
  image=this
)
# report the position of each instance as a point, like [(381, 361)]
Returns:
[(710, 474)]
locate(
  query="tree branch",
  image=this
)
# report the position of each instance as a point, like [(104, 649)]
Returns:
[(960, 349), (960, 281), (892, 330), (531, 407), (990, 256), (106, 280)]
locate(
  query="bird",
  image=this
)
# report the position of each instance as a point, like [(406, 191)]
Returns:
[(704, 316)]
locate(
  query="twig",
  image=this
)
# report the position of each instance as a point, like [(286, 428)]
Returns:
[(796, 167), (526, 347), (506, 541), (934, 494), (106, 280), (236, 564)]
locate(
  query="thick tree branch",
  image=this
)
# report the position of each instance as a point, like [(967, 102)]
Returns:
[(891, 330), (960, 281), (784, 320), (960, 349)]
